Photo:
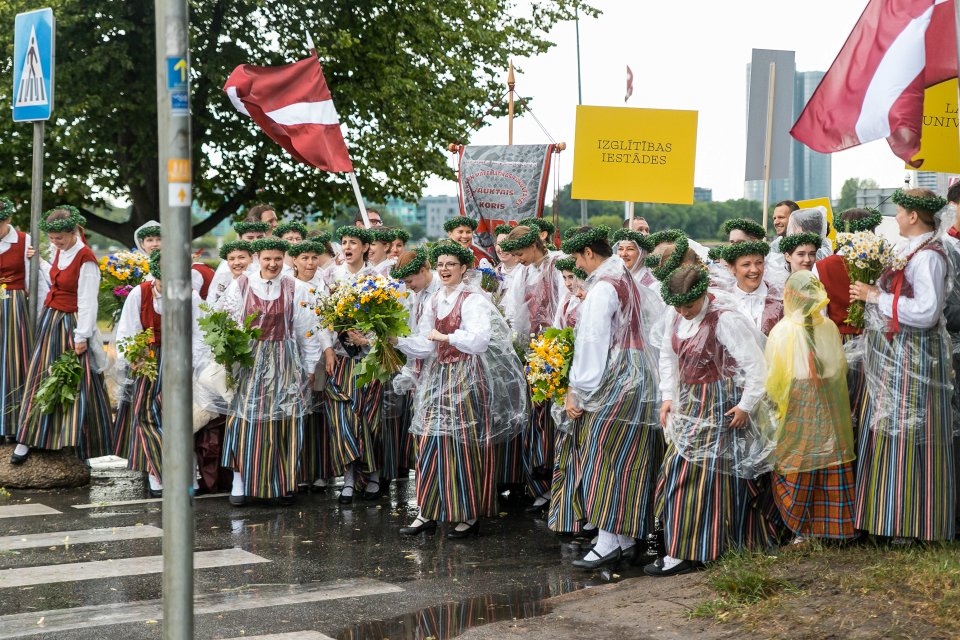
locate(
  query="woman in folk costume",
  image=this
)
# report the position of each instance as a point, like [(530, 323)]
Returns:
[(612, 400), (756, 298), (16, 335), (547, 230), (800, 251), (633, 248), (508, 265), (470, 397), (264, 434), (292, 233), (743, 230), (400, 239), (811, 221), (813, 459), (148, 238), (381, 245), (530, 309), (353, 413), (138, 434), (461, 230), (711, 381), (247, 232), (69, 322), (573, 281), (905, 478)]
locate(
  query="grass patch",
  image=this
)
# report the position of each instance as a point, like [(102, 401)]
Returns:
[(740, 580)]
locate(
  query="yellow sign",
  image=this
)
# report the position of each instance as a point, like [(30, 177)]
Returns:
[(178, 170), (634, 155), (940, 135), (825, 203)]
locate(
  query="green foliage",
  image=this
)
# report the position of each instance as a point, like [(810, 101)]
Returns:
[(740, 580), (407, 77), (848, 192), (230, 343), (59, 388), (139, 352)]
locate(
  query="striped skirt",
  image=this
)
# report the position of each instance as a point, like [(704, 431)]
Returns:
[(704, 507), (856, 387), (316, 460), (618, 454), (395, 445), (905, 481), (817, 503), (138, 434), (353, 418), (16, 345), (562, 517), (266, 452), (86, 425), (537, 449), (509, 462)]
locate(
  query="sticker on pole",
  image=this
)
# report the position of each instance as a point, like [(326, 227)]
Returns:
[(33, 65)]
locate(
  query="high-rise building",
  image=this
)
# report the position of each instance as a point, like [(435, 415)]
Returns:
[(936, 182), (809, 170), (702, 194), (436, 211)]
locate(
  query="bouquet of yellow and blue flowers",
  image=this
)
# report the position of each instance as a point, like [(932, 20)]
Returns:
[(548, 364), (119, 274), (866, 256), (371, 305), (140, 354)]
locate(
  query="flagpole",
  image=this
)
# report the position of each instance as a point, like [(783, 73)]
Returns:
[(353, 176), (956, 16), (768, 143), (576, 18)]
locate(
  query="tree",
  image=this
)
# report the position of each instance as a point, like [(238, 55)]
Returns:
[(407, 77), (848, 192)]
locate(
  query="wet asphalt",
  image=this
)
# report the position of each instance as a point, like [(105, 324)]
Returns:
[(418, 588)]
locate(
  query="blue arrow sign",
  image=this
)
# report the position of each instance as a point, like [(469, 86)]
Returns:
[(33, 65), (177, 72)]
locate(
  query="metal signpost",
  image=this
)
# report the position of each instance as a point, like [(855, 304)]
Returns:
[(33, 65), (174, 146)]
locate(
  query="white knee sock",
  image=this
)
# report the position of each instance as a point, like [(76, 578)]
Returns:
[(237, 489), (196, 471), (625, 542), (348, 481), (155, 484), (606, 544), (21, 450)]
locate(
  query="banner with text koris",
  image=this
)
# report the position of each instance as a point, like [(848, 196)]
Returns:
[(504, 182), (634, 155)]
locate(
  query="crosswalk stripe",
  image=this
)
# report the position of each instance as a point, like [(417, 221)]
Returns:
[(22, 510), (47, 574), (20, 625), (84, 536), (123, 503), (293, 635)]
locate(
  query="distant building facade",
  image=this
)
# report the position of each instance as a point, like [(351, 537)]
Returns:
[(701, 194), (435, 211)]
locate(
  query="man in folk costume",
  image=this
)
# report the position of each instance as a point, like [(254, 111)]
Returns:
[(69, 322), (264, 435), (905, 479), (16, 335), (613, 399), (461, 230)]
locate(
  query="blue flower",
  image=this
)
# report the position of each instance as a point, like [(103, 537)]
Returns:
[(548, 369)]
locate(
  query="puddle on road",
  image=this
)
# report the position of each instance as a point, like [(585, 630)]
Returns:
[(450, 619)]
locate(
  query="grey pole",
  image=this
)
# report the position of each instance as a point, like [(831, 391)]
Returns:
[(576, 14), (173, 128), (36, 210)]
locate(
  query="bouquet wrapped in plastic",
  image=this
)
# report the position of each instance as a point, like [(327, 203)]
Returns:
[(490, 280), (139, 353), (119, 274), (373, 306), (866, 256), (230, 343), (548, 365)]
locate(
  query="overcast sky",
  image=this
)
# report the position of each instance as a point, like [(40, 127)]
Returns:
[(688, 54)]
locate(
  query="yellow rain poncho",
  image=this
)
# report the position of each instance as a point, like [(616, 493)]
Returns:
[(807, 382)]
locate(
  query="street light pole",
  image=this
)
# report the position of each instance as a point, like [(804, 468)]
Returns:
[(576, 17), (174, 154)]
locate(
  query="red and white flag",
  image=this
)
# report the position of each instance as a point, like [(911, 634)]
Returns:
[(629, 84), (874, 88), (292, 105)]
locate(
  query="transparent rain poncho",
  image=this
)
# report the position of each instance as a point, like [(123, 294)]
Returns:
[(276, 386), (807, 382), (708, 366), (615, 353), (473, 388), (812, 220), (908, 370), (530, 303)]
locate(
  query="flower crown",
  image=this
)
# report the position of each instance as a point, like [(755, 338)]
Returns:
[(243, 227), (6, 208), (749, 227), (385, 235), (363, 235), (65, 224), (411, 268), (149, 232), (695, 292), (526, 240), (570, 264), (287, 227), (401, 234), (540, 223), (269, 244), (459, 221), (931, 204), (577, 241), (321, 237), (662, 269), (790, 243), (463, 255), (236, 245), (629, 235), (868, 223), (154, 264), (307, 246), (502, 228), (739, 249)]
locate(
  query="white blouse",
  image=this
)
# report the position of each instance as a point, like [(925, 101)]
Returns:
[(129, 324), (473, 335), (927, 272), (751, 304), (88, 286), (594, 328)]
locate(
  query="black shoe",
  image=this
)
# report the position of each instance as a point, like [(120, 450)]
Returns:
[(425, 526), (238, 501), (656, 570), (537, 508), (18, 459), (155, 493), (474, 530), (611, 558), (382, 490), (342, 499)]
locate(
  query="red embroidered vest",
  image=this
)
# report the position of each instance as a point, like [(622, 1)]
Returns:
[(207, 274), (149, 318), (833, 274), (702, 358), (64, 283), (12, 271), (446, 352)]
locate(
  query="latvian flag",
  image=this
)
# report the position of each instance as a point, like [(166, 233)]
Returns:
[(874, 88), (292, 105)]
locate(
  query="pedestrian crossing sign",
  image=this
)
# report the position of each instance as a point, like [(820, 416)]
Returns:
[(33, 65)]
